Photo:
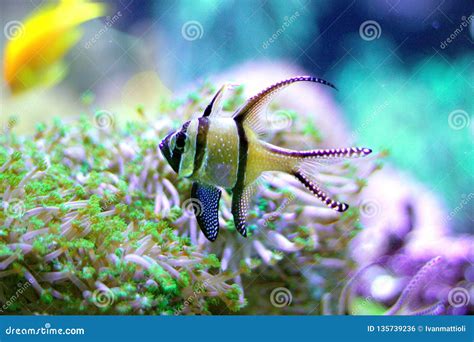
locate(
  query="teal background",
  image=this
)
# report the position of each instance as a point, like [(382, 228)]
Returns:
[(396, 91)]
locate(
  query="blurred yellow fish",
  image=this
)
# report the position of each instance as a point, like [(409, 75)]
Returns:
[(33, 57)]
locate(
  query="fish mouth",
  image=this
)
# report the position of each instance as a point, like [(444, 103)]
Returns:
[(174, 159), (161, 145), (165, 142)]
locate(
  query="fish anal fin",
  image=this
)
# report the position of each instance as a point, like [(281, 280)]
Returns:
[(205, 203), (241, 198)]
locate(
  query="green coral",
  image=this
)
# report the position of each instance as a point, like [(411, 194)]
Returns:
[(89, 241), (94, 222)]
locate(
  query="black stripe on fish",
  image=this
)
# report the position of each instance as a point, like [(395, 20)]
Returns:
[(180, 141), (238, 211), (174, 157), (201, 143)]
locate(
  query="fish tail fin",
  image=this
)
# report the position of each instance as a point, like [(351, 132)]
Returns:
[(289, 160), (335, 154), (319, 193), (304, 164)]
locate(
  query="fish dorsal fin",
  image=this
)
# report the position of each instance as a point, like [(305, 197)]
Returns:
[(214, 108), (253, 111), (205, 202)]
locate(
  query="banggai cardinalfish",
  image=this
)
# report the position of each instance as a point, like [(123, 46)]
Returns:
[(217, 151)]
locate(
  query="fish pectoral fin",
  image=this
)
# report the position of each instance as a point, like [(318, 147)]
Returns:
[(253, 112), (240, 206), (215, 107), (205, 202)]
